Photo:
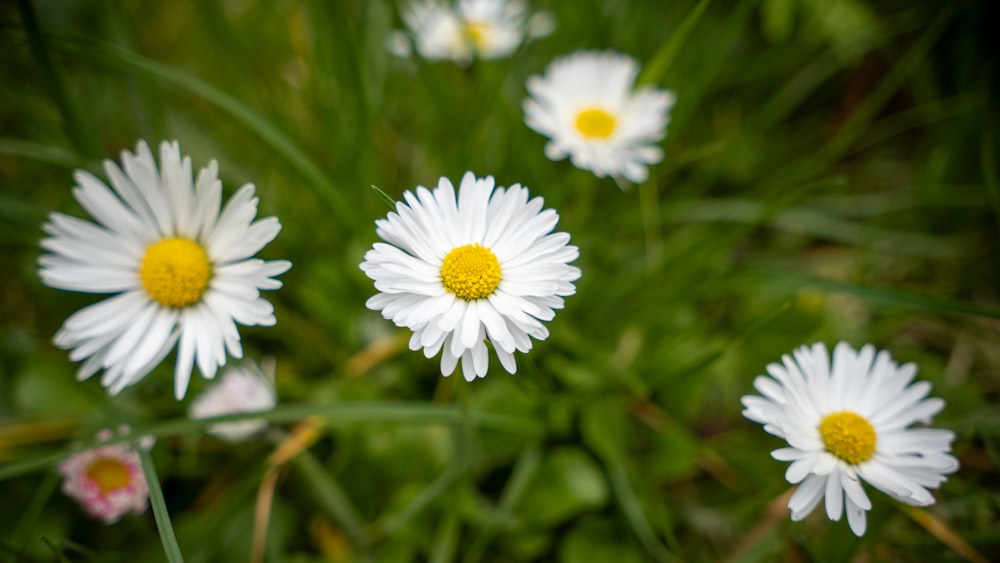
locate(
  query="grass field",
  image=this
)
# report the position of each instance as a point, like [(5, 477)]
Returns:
[(830, 173)]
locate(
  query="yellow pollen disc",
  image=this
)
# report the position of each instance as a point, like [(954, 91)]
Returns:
[(848, 436), (108, 473), (595, 123), (175, 272), (477, 34), (471, 271)]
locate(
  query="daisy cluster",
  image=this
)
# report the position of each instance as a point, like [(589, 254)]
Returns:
[(466, 268)]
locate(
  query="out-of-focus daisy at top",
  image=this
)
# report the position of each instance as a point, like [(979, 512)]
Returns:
[(850, 421), (488, 29), (182, 272), (461, 270), (241, 389), (585, 104)]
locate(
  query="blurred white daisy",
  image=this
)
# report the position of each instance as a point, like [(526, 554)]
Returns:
[(107, 481), (241, 389), (459, 271), (488, 29), (586, 106), (183, 273), (850, 422)]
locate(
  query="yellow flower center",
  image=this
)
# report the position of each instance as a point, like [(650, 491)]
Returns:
[(848, 436), (175, 272), (109, 474), (476, 33), (595, 123), (471, 271)]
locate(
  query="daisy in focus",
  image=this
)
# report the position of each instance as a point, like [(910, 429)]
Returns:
[(238, 390), (107, 481), (488, 29), (182, 271), (848, 422), (463, 269), (585, 104)]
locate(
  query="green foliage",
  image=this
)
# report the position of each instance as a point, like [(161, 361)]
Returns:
[(830, 173)]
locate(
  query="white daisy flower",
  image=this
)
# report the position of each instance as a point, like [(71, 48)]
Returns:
[(850, 422), (587, 108), (488, 29), (183, 273), (238, 390), (459, 271)]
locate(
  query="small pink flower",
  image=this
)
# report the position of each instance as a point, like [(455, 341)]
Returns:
[(107, 481)]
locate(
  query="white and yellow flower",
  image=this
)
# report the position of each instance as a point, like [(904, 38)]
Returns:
[(585, 104), (463, 269), (848, 422), (107, 481), (243, 389), (488, 29), (182, 272)]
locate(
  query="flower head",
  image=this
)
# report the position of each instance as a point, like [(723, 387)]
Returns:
[(587, 108), (488, 29), (107, 481), (850, 422), (182, 272), (239, 389), (459, 271)]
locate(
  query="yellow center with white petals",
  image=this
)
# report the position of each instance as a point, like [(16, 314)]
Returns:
[(175, 272), (108, 473), (471, 272), (477, 32), (595, 123), (848, 436)]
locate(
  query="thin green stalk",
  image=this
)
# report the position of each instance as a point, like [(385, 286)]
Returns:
[(524, 471), (332, 496), (59, 552), (664, 57), (33, 510), (80, 135), (340, 413), (279, 141), (170, 547), (632, 509), (987, 156), (446, 540), (649, 209), (885, 296), (41, 152), (429, 494)]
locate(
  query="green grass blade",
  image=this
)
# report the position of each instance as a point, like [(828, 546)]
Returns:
[(331, 496), (880, 295), (80, 134), (429, 494), (987, 155), (524, 471), (41, 152), (657, 67), (633, 511), (341, 413), (445, 542), (156, 500), (385, 197), (275, 138), (56, 549), (32, 512)]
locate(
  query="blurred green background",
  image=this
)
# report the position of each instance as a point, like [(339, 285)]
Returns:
[(831, 173)]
